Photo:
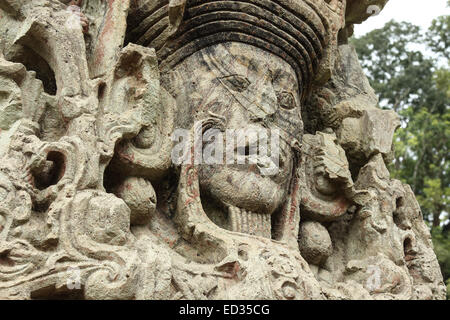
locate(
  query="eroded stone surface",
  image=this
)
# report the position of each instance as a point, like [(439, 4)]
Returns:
[(92, 205)]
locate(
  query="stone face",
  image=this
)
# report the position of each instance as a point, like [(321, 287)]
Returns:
[(94, 205)]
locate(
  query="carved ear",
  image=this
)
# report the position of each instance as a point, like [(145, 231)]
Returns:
[(136, 91), (149, 153), (325, 177)]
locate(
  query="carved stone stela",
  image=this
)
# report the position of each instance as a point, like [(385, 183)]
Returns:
[(92, 205)]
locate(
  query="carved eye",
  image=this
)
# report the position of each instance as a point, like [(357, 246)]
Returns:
[(236, 82), (286, 100)]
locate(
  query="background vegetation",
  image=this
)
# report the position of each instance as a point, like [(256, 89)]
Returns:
[(409, 68)]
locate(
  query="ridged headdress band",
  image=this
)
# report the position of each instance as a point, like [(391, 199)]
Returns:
[(295, 30)]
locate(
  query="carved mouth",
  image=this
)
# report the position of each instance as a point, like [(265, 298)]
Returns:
[(246, 153)]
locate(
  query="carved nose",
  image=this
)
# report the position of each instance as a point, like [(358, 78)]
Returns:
[(265, 99)]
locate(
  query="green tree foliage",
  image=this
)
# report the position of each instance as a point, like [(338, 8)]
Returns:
[(438, 36), (410, 71), (441, 243)]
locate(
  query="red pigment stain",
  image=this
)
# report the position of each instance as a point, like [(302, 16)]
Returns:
[(293, 203), (108, 30), (126, 156), (192, 198), (341, 206)]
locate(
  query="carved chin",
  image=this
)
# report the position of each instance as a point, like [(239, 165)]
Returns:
[(243, 189)]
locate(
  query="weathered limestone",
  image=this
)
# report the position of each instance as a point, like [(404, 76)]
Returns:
[(314, 243), (93, 205), (370, 134)]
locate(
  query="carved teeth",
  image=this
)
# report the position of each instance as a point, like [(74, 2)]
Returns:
[(248, 222)]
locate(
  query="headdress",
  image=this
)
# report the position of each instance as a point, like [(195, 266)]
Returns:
[(298, 31)]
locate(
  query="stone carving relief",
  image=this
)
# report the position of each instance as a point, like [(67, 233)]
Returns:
[(94, 207)]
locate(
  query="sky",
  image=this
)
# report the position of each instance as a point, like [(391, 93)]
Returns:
[(418, 12)]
